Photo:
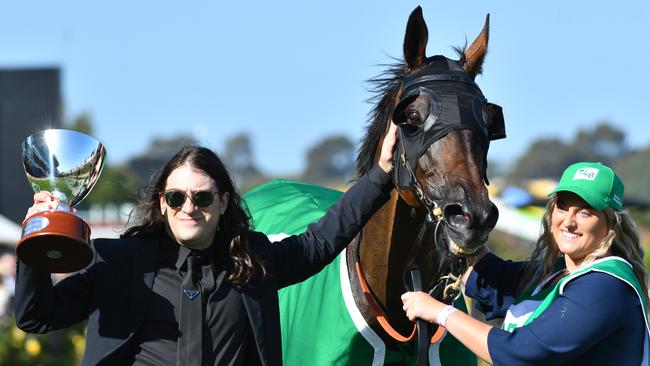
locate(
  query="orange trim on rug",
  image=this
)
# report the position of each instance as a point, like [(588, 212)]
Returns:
[(381, 318)]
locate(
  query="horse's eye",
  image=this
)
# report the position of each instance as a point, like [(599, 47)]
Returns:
[(413, 118)]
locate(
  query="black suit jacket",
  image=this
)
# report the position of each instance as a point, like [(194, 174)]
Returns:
[(114, 292)]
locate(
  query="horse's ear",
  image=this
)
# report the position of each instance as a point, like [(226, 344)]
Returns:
[(475, 54), (415, 40)]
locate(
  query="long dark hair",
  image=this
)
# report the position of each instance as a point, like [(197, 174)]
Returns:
[(234, 224)]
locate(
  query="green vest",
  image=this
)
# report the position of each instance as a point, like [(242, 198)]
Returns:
[(536, 300)]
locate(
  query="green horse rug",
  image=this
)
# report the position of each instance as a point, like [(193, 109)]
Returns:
[(320, 322)]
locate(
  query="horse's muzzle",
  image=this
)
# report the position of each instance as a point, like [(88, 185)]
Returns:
[(467, 229)]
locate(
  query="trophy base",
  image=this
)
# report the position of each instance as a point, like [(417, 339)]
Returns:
[(55, 242)]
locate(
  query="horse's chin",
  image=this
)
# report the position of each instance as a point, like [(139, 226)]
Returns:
[(463, 251), (456, 247)]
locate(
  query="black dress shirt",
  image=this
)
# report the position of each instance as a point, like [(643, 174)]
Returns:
[(226, 330)]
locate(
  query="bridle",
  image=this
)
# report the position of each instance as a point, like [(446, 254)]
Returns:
[(456, 103)]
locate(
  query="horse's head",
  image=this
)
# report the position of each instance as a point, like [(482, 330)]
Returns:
[(446, 125)]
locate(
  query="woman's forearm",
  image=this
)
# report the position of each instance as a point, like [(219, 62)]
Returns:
[(471, 332)]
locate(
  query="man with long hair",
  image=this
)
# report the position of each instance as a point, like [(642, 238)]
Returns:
[(191, 283)]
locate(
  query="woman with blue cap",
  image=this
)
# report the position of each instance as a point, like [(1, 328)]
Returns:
[(581, 299)]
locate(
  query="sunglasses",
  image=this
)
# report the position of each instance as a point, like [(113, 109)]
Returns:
[(176, 198)]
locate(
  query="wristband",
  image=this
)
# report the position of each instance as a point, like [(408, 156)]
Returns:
[(441, 318)]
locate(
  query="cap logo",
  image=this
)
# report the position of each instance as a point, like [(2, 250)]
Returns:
[(617, 199), (586, 174)]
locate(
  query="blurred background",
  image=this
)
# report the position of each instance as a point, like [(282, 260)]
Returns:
[(279, 90)]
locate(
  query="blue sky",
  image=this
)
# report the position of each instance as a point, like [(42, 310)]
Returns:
[(292, 73)]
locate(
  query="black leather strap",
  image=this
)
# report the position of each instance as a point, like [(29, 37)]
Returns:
[(413, 282), (423, 327), (460, 78)]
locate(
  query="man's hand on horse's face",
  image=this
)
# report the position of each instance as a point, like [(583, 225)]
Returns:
[(387, 147)]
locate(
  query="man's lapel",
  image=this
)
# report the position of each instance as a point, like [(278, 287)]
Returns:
[(142, 276), (252, 297), (144, 272)]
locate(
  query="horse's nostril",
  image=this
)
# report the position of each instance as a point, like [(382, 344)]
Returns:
[(455, 216), (492, 218)]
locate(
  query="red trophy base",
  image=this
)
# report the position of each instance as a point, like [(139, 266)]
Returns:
[(55, 242)]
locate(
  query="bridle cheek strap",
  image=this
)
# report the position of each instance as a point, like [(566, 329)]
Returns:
[(412, 191)]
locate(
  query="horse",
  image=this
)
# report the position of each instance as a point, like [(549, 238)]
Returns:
[(438, 216)]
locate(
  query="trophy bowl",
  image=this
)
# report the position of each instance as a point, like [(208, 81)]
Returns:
[(67, 164)]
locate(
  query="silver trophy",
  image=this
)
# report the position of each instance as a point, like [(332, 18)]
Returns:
[(67, 164)]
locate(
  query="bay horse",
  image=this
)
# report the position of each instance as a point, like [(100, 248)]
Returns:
[(438, 216), (445, 125)]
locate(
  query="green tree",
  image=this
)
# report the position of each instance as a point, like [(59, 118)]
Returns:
[(548, 157), (604, 141), (156, 156), (116, 184), (495, 169), (633, 170), (330, 160), (82, 123), (239, 158)]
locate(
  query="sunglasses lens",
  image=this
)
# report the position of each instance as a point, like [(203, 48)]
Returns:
[(174, 199), (203, 199)]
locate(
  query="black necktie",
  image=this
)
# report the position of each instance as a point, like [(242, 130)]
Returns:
[(190, 343)]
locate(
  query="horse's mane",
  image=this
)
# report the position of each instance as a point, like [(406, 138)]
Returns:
[(385, 87)]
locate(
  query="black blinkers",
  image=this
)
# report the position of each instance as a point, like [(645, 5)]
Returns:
[(456, 102)]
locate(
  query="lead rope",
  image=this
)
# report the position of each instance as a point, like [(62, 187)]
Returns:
[(415, 284), (434, 215)]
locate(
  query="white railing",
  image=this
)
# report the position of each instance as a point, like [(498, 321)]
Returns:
[(109, 214), (107, 221), (513, 222)]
